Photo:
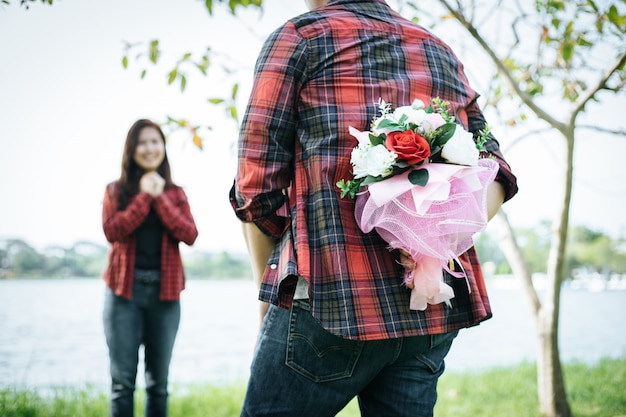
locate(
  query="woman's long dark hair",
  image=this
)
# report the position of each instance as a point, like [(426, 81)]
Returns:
[(131, 172)]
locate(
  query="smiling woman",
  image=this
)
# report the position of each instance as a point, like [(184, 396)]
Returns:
[(145, 217)]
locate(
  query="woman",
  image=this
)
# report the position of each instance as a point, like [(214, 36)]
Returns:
[(145, 215)]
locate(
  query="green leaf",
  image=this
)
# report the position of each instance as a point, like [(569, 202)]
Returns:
[(143, 74), (172, 76), (442, 134), (216, 100), (125, 62), (568, 51), (613, 15), (154, 51), (370, 180), (233, 95), (377, 140), (233, 112), (349, 188), (203, 65), (419, 177), (209, 6), (183, 82), (390, 125)]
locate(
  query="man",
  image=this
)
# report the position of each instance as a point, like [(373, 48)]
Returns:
[(338, 323)]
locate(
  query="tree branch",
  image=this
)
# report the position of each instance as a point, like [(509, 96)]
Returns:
[(514, 255), (616, 132), (526, 99), (591, 92), (524, 136)]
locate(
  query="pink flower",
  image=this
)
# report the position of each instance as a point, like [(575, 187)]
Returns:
[(432, 121)]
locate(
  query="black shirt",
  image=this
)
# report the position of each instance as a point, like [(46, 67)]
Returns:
[(148, 240)]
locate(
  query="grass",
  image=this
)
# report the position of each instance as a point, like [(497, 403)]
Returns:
[(593, 391)]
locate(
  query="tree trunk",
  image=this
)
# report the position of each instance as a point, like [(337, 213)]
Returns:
[(550, 382)]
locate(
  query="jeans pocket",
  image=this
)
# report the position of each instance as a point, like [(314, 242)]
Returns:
[(440, 345), (315, 353)]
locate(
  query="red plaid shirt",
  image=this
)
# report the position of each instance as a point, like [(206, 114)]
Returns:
[(120, 226), (318, 74)]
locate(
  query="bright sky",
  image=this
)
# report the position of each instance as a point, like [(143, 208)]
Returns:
[(66, 105)]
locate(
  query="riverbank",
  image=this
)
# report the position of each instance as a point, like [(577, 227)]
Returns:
[(593, 391), (48, 327)]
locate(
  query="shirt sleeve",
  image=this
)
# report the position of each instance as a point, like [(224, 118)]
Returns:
[(173, 209), (268, 134), (119, 224)]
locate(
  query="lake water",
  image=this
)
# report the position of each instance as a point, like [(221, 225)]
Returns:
[(51, 332)]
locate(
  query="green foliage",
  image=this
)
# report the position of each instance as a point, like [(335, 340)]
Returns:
[(573, 35), (595, 391), (592, 250), (222, 265), (233, 4), (61, 402), (588, 251), (19, 259), (85, 259), (147, 54), (488, 250)]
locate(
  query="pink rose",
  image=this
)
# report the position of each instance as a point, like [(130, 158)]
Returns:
[(432, 122)]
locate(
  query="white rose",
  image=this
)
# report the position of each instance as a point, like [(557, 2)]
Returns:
[(414, 116), (460, 148), (372, 160), (417, 104)]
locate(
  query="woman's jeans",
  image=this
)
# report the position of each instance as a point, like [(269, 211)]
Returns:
[(299, 369), (127, 325)]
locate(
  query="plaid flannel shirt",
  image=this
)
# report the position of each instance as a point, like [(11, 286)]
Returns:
[(318, 74), (119, 226)]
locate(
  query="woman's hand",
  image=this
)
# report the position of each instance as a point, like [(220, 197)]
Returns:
[(152, 183), (407, 263)]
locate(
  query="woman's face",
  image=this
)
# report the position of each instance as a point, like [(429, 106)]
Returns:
[(150, 150)]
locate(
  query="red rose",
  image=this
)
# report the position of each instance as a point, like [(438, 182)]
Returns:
[(410, 147)]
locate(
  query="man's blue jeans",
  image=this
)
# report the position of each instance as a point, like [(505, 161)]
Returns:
[(299, 369), (127, 325)]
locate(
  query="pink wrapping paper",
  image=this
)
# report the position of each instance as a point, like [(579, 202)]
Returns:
[(433, 223)]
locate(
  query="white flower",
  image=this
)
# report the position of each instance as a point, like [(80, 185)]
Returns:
[(372, 160), (418, 104), (460, 148), (383, 106), (414, 115)]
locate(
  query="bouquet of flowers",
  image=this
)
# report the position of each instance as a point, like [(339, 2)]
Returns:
[(420, 183)]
